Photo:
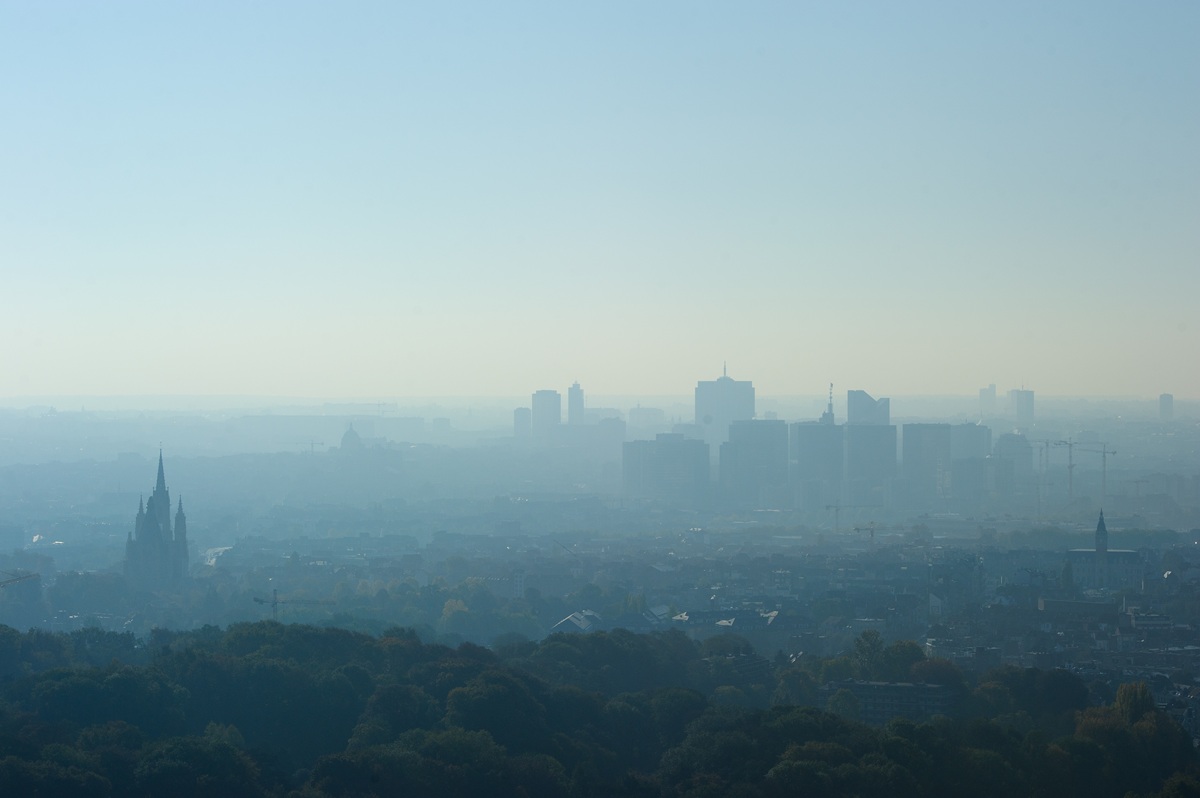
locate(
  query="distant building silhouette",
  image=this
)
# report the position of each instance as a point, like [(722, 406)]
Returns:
[(522, 422), (669, 468), (754, 463), (156, 552), (721, 402), (974, 475), (816, 455), (351, 439), (1105, 568), (862, 408), (987, 400), (547, 412), (868, 463), (869, 449), (575, 404), (927, 454), (1015, 448), (970, 441), (1020, 403), (647, 420)]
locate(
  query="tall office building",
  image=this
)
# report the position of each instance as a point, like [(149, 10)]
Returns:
[(546, 413), (522, 422), (1166, 407), (861, 408), (1015, 448), (926, 457), (987, 400), (970, 441), (869, 450), (575, 404), (1020, 404), (816, 454), (972, 471), (721, 402), (669, 468), (869, 464), (645, 420), (754, 463)]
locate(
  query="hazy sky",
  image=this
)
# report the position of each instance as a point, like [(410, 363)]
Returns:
[(388, 199)]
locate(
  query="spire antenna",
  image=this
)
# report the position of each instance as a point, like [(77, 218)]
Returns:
[(161, 484)]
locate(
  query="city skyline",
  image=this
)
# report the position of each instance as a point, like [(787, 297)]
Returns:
[(300, 200)]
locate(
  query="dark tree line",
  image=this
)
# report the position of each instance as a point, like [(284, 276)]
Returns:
[(266, 709)]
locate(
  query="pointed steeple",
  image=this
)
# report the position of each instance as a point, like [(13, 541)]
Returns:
[(162, 479), (141, 506), (180, 524), (1101, 535)]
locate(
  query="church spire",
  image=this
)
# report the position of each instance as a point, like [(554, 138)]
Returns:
[(161, 485)]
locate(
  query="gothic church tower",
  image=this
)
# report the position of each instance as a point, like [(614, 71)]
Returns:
[(156, 552)]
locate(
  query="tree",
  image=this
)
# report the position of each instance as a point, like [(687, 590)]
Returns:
[(868, 654), (497, 702), (898, 660), (844, 704), (1133, 701)]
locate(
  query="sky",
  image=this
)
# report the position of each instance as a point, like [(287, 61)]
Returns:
[(465, 199)]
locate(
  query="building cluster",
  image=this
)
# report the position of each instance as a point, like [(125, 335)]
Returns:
[(730, 455)]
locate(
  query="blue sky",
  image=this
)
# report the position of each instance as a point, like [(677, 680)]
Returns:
[(390, 199)]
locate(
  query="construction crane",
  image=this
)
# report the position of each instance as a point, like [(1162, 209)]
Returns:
[(275, 601), (568, 551), (1104, 452), (837, 513), (1070, 444), (872, 528), (1043, 448)]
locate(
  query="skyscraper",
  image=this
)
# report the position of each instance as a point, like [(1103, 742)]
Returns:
[(522, 422), (816, 454), (546, 410), (575, 404), (669, 468), (754, 463), (861, 408), (987, 400), (970, 441), (869, 463), (721, 402), (926, 457), (1166, 407), (1020, 402)]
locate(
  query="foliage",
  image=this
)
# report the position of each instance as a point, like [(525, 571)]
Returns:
[(268, 709)]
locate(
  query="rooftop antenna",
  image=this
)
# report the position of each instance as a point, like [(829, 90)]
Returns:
[(827, 416), (724, 368)]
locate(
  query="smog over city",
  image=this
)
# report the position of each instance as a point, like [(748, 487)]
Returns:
[(667, 399)]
